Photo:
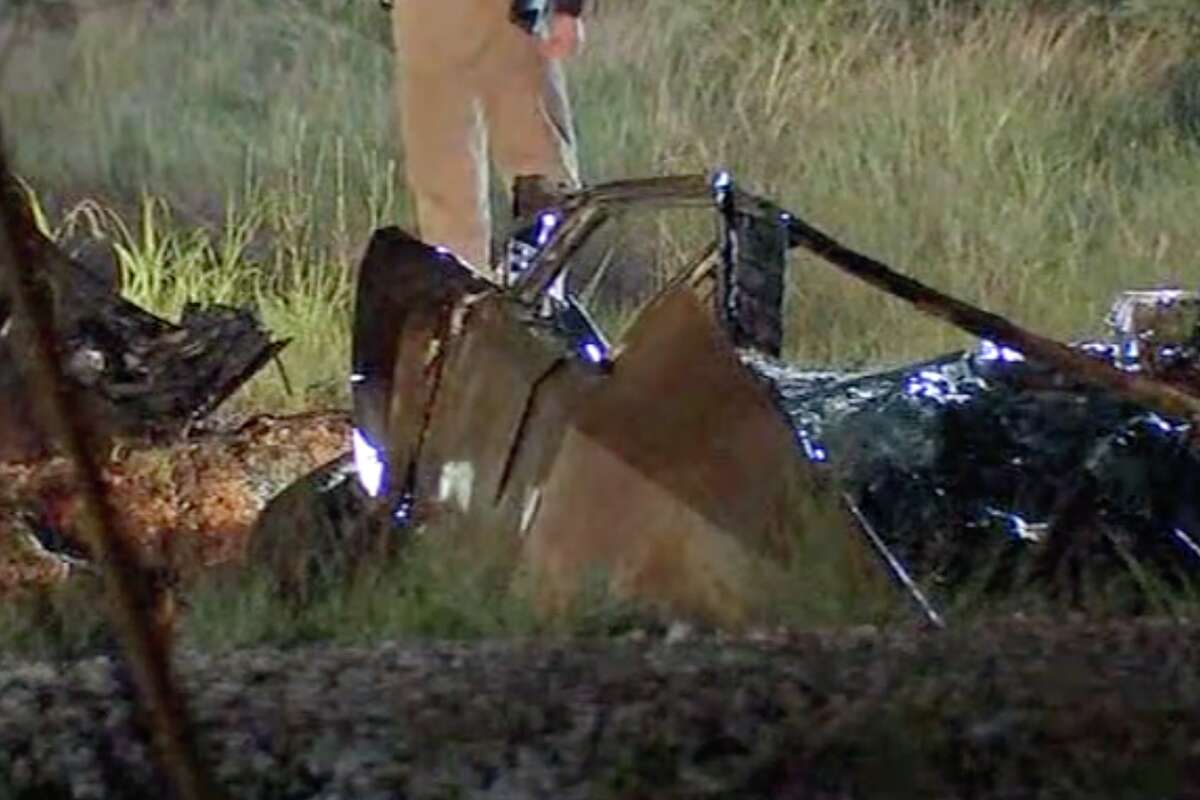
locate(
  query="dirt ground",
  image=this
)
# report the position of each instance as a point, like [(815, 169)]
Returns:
[(199, 496), (1018, 708)]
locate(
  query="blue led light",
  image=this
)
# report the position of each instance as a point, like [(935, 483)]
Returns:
[(1100, 349), (547, 224), (990, 351), (1018, 527), (1131, 355), (1159, 422), (593, 352), (368, 464), (815, 452), (929, 384), (403, 512)]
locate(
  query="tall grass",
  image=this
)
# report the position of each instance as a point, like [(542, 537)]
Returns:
[(434, 591), (301, 289), (1032, 157), (1026, 161)]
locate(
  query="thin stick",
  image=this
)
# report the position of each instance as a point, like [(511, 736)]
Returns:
[(894, 564), (144, 644)]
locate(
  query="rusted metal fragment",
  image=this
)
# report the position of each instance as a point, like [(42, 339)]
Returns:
[(491, 371), (406, 295)]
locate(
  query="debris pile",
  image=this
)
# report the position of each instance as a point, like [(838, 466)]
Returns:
[(185, 505), (680, 457), (986, 453), (139, 376), (140, 382)]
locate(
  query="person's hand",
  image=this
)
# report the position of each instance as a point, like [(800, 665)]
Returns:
[(564, 37)]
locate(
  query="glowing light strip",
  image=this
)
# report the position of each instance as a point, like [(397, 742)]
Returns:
[(368, 464)]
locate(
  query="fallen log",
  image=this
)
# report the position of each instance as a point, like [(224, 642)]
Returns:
[(187, 505)]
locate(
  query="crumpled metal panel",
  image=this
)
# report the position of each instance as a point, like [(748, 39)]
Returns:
[(491, 372), (402, 313), (673, 472), (677, 476), (985, 462)]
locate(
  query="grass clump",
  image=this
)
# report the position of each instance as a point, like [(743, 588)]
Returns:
[(432, 584)]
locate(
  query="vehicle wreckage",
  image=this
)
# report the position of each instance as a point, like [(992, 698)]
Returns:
[(674, 452), (695, 469)]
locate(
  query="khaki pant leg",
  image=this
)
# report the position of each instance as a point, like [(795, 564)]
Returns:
[(528, 112), (445, 156)]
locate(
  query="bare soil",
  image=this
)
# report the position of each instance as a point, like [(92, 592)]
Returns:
[(1012, 708)]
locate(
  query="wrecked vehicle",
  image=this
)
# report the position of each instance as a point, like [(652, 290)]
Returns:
[(501, 407), (691, 466)]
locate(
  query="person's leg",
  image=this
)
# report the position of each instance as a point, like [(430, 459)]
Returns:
[(528, 112), (445, 151)]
